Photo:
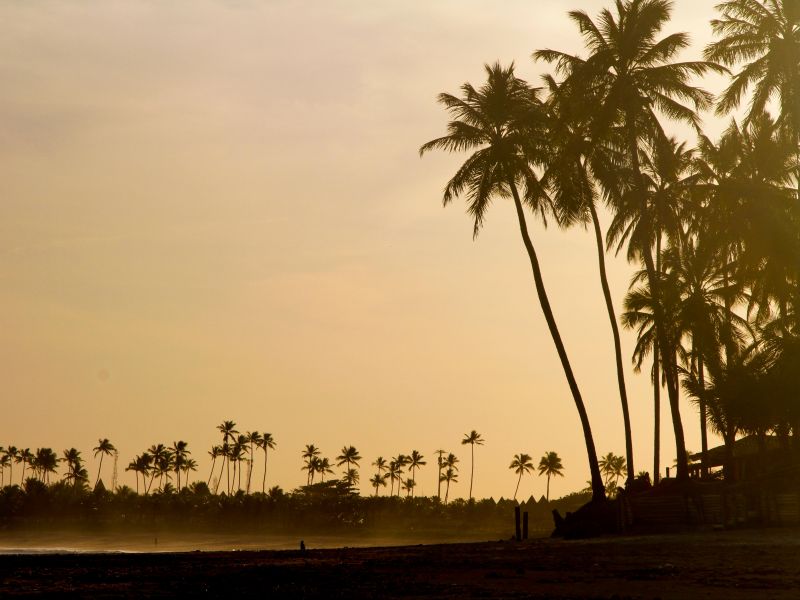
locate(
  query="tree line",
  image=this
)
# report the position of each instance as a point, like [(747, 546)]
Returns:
[(712, 228)]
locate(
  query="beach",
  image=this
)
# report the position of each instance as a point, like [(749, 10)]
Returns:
[(730, 565)]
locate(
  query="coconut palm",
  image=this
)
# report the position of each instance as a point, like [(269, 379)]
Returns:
[(409, 485), (11, 453), (613, 467), (765, 36), (472, 438), (76, 473), (380, 464), (550, 465), (351, 478), (503, 123), (267, 443), (228, 431), (521, 464), (348, 456), (439, 463), (578, 168), (415, 461), (378, 480), (449, 476), (254, 438), (180, 453), (25, 457), (5, 461), (310, 453), (323, 467), (395, 473), (189, 464), (104, 447), (630, 78), (214, 453)]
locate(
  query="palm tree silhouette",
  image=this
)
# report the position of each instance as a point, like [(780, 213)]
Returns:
[(228, 431), (450, 475), (180, 453), (521, 464), (267, 443), (310, 453), (254, 439), (472, 438), (378, 480), (627, 78), (439, 463), (11, 453), (395, 473), (612, 466), (214, 453), (766, 37), (348, 456), (104, 446), (550, 465), (503, 122), (415, 461)]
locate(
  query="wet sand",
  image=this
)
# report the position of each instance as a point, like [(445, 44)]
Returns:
[(731, 565)]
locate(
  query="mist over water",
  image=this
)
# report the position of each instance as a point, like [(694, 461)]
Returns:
[(168, 541)]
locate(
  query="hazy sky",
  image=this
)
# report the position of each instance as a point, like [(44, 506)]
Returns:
[(216, 210)]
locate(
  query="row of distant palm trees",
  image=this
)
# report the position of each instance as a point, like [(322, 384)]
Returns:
[(43, 462), (715, 230), (157, 465)]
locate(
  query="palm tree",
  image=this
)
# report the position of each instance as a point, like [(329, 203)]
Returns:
[(254, 439), (521, 464), (409, 485), (321, 466), (267, 443), (25, 457), (472, 438), (378, 480), (503, 122), (11, 453), (380, 464), (439, 463), (215, 452), (577, 167), (627, 78), (103, 447), (351, 477), (348, 456), (450, 475), (395, 473), (4, 462), (228, 431), (75, 471), (612, 466), (550, 465), (765, 35), (415, 461), (180, 453), (189, 464), (310, 453)]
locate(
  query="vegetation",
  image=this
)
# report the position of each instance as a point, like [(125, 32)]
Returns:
[(712, 225)]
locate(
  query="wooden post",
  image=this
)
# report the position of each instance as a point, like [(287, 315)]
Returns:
[(525, 525), (517, 532)]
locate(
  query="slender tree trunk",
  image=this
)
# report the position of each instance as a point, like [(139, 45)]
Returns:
[(447, 492), (471, 469), (517, 488), (703, 417), (623, 394), (439, 485), (210, 475), (658, 314), (598, 490), (657, 419), (99, 470), (548, 487), (264, 481)]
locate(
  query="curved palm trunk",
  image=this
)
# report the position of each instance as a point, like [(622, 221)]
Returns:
[(439, 485), (669, 365), (447, 492), (703, 417), (211, 474), (598, 490), (517, 488), (548, 487), (623, 394)]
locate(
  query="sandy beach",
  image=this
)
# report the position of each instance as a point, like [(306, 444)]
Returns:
[(727, 565)]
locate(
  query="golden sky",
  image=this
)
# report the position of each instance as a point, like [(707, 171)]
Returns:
[(216, 210)]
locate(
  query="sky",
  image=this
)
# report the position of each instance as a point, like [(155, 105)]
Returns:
[(215, 210)]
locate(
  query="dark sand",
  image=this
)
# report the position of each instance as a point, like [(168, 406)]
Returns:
[(731, 565)]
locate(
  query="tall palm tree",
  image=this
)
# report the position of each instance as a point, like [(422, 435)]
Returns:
[(449, 476), (578, 168), (395, 473), (323, 467), (612, 466), (521, 464), (380, 464), (214, 453), (378, 480), (550, 465), (348, 456), (503, 122), (765, 36), (267, 443), (26, 458), (630, 77), (351, 477), (228, 431), (310, 453), (409, 485), (4, 462), (415, 461), (76, 473), (180, 453), (254, 438), (472, 438), (11, 453), (439, 463), (104, 447)]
